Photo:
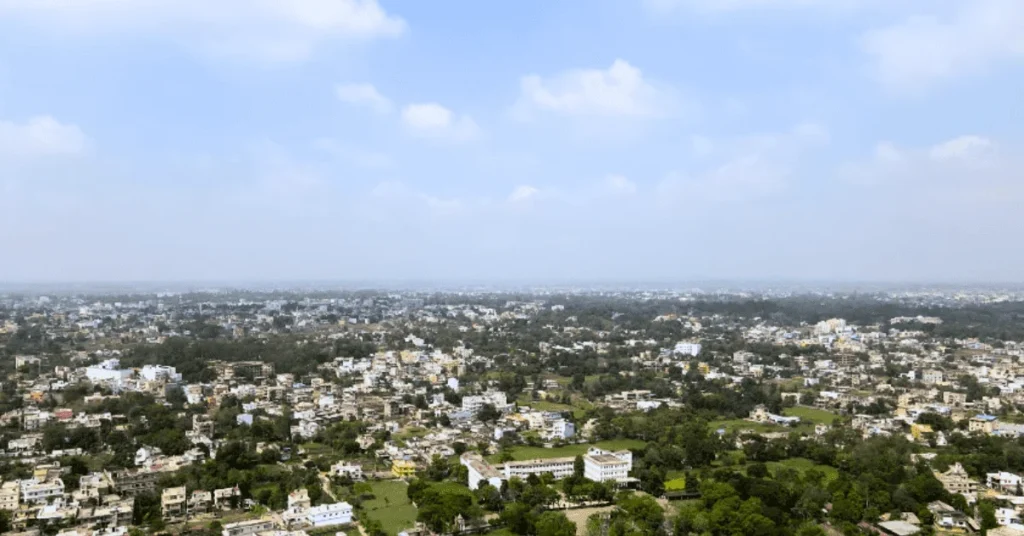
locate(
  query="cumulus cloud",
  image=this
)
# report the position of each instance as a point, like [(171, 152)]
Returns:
[(925, 50), (618, 91), (431, 120), (40, 137), (276, 30), (363, 95), (962, 162)]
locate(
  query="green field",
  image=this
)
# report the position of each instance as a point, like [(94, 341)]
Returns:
[(741, 424), (540, 453), (812, 415), (676, 484), (391, 506), (802, 465)]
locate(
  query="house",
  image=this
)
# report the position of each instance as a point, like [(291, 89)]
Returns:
[(603, 466), (252, 526), (403, 469), (950, 519), (350, 470), (9, 496), (1003, 481), (298, 500), (330, 514), (956, 480), (479, 471), (225, 498), (173, 502)]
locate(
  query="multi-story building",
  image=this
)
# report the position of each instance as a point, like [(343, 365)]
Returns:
[(10, 493), (479, 471), (403, 469), (330, 514), (558, 467), (351, 470), (34, 490), (129, 482), (956, 480), (604, 466), (932, 376), (173, 502)]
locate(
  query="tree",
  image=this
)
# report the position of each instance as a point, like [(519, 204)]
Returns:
[(554, 524), (578, 467), (987, 513), (518, 518), (488, 413)]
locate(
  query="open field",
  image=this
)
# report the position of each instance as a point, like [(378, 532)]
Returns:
[(539, 453), (812, 415), (391, 506)]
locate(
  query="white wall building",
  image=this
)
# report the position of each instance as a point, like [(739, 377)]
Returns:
[(330, 514), (160, 372), (602, 465), (479, 471), (691, 349)]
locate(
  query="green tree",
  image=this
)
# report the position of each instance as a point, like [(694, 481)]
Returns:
[(554, 524)]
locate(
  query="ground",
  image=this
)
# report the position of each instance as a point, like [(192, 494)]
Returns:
[(812, 415), (391, 506), (535, 453), (580, 515)]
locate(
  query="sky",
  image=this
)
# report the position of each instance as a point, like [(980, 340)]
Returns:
[(589, 140)]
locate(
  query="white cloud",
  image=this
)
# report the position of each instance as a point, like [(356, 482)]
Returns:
[(363, 95), (618, 185), (924, 50), (358, 156), (961, 161), (522, 194), (431, 120), (667, 6), (619, 91), (744, 167), (276, 30), (964, 147), (41, 136)]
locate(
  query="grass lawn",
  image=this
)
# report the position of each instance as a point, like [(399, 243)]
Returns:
[(540, 453), (676, 484), (802, 465), (391, 506), (813, 415), (741, 424)]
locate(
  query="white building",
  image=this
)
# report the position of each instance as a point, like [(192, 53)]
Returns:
[(562, 429), (107, 371), (160, 372), (330, 514), (1003, 481), (33, 490), (479, 471), (558, 467), (351, 470), (475, 403), (691, 349), (603, 466)]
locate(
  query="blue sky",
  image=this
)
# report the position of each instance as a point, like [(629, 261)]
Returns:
[(571, 140)]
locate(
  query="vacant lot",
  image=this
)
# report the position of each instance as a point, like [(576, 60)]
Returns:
[(391, 506)]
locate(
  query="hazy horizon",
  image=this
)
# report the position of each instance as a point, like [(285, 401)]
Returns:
[(607, 140)]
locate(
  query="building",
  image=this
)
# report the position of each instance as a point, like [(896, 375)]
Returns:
[(34, 490), (562, 429), (10, 493), (932, 376), (160, 373), (475, 403), (691, 349), (173, 502), (298, 500), (350, 470), (252, 526), (202, 425), (954, 399), (956, 480), (330, 514), (606, 466), (1003, 481), (984, 424), (403, 469), (558, 467), (128, 482), (479, 471)]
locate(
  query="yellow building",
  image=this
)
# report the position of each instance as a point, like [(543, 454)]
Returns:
[(403, 469), (917, 430)]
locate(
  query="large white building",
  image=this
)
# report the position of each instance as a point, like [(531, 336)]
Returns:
[(558, 467), (108, 371), (33, 490), (475, 403), (603, 466), (160, 372), (479, 471), (691, 349), (330, 514)]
